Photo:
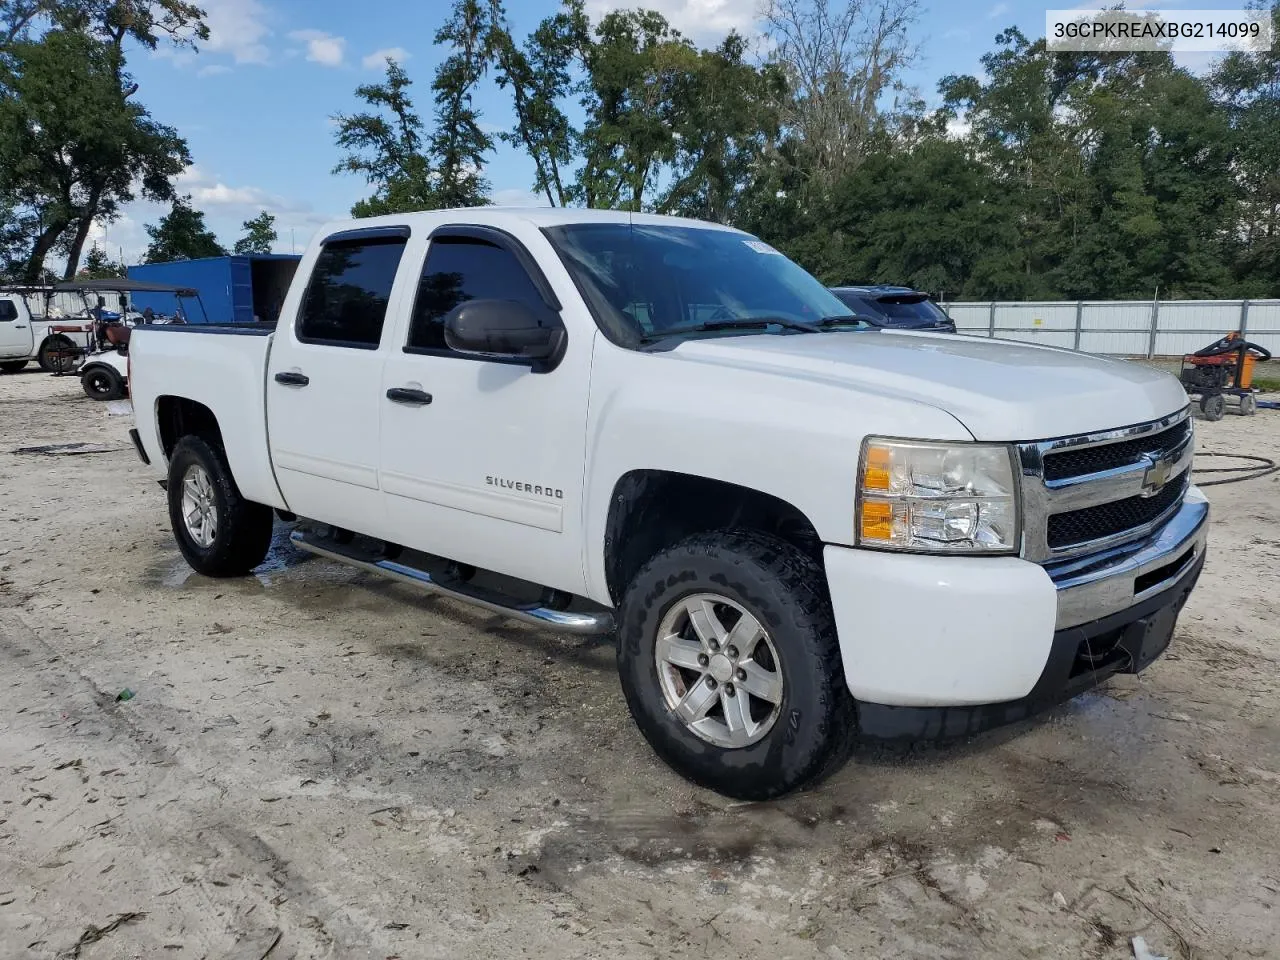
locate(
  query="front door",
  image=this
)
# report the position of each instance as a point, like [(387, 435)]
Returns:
[(323, 381), (489, 472), (15, 329)]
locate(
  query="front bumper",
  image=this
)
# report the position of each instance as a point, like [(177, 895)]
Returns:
[(921, 636)]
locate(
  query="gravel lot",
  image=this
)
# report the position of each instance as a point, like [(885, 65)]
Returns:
[(316, 763)]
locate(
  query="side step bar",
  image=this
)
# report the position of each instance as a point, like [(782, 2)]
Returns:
[(579, 623)]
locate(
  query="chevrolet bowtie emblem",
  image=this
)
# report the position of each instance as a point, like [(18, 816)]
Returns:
[(1156, 476)]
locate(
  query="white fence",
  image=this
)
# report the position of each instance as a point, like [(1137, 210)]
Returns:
[(1131, 328)]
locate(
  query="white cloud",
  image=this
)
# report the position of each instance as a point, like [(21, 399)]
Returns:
[(237, 28), (378, 59), (999, 10), (212, 70), (323, 48), (704, 20)]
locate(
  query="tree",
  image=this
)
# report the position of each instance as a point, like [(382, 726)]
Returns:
[(72, 150), (387, 151), (727, 115), (539, 77), (840, 60), (458, 146), (181, 235), (83, 41), (98, 265), (259, 234), (635, 70), (1247, 88)]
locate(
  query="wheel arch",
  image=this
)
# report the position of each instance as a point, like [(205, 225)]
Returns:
[(649, 510), (178, 417)]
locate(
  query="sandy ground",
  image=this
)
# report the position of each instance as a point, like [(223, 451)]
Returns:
[(319, 764)]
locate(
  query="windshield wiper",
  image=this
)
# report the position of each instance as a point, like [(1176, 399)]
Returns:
[(746, 323), (830, 323)]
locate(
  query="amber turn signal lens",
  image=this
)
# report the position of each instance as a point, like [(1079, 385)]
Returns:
[(875, 473), (877, 520)]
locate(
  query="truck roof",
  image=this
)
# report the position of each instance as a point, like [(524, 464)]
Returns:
[(496, 216)]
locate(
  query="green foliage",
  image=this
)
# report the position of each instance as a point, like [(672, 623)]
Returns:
[(1050, 175), (72, 149), (259, 234), (540, 76), (387, 150), (181, 235), (408, 169), (98, 265), (73, 146), (458, 145)]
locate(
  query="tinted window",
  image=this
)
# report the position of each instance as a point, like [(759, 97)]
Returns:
[(861, 307), (8, 310), (910, 308), (642, 280), (347, 295), (461, 269)]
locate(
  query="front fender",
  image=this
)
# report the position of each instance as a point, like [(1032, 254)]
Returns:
[(792, 439)]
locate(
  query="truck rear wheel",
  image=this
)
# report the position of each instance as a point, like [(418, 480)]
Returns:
[(220, 533), (58, 354), (730, 665)]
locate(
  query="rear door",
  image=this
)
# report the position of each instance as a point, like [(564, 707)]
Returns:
[(489, 472), (15, 328), (323, 379)]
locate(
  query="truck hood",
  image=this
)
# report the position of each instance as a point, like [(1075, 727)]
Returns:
[(999, 390)]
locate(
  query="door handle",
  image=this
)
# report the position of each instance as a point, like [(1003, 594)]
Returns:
[(407, 395), (292, 378), (19, 326)]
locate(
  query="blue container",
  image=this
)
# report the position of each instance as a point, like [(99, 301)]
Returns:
[(234, 289)]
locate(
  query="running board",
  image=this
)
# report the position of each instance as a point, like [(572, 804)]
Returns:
[(579, 623)]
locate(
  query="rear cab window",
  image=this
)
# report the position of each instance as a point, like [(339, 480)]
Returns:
[(345, 304), (8, 311)]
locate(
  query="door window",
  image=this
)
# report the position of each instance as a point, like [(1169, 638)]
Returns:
[(8, 311), (346, 299), (460, 269)]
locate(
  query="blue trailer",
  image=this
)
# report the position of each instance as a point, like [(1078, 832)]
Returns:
[(233, 289)]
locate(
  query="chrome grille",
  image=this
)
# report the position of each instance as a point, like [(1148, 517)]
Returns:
[(1095, 491), (1071, 462), (1108, 519)]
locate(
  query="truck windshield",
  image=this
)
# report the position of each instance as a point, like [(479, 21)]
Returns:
[(643, 280)]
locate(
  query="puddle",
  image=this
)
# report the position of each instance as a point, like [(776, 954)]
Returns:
[(119, 408), (65, 449), (281, 556)]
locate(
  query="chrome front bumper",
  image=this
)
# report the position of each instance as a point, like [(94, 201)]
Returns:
[(1101, 584)]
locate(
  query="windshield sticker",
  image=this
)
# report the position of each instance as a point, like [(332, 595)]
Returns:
[(760, 246)]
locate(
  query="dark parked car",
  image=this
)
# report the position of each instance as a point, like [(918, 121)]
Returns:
[(899, 308)]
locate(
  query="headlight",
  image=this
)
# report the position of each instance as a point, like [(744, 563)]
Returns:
[(937, 497)]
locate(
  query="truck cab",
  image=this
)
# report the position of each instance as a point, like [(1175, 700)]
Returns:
[(800, 528)]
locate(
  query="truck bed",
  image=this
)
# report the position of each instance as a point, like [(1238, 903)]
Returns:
[(224, 370)]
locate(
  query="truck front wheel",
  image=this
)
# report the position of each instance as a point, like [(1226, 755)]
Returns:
[(730, 665), (220, 533)]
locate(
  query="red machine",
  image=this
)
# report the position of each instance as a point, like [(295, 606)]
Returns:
[(1223, 369)]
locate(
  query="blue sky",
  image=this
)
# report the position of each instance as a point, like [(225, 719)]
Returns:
[(255, 104)]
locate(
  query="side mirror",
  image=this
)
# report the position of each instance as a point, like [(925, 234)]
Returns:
[(504, 328)]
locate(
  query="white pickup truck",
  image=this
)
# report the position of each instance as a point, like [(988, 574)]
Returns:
[(27, 335), (803, 529)]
